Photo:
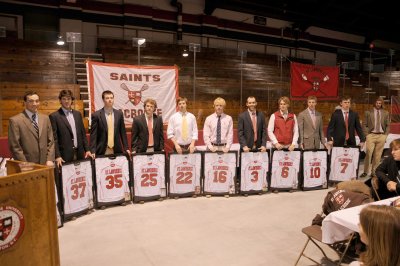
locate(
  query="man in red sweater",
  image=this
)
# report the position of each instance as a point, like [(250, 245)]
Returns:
[(283, 130)]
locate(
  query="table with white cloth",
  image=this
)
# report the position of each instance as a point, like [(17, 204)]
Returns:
[(389, 139), (339, 225)]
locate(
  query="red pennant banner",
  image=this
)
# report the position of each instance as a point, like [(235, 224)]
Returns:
[(320, 81)]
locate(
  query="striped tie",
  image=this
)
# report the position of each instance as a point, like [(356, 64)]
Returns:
[(35, 125), (219, 130)]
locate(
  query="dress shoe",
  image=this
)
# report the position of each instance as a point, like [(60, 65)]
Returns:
[(363, 175)]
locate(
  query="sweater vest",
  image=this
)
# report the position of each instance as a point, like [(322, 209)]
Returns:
[(284, 129)]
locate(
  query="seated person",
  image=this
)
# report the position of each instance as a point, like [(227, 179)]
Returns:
[(388, 173), (380, 231)]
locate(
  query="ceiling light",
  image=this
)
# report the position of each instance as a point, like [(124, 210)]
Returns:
[(185, 53), (60, 40)]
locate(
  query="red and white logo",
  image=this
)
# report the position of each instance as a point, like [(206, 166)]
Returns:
[(12, 225), (135, 97)]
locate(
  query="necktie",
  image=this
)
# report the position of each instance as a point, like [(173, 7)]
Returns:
[(150, 128), (219, 130), (254, 120), (378, 122), (110, 129), (184, 127), (346, 121), (313, 117), (35, 125)]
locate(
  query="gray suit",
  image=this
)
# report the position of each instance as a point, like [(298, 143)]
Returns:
[(309, 135), (24, 143)]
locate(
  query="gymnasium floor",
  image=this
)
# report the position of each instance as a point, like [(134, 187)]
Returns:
[(253, 230)]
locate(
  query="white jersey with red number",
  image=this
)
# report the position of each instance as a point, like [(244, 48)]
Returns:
[(314, 168), (285, 169), (112, 179), (185, 173), (77, 187), (219, 171), (254, 171), (149, 175), (344, 163)]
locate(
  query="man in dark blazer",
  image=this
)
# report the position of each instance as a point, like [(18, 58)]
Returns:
[(338, 135), (144, 140), (249, 138), (102, 140), (69, 132), (30, 136)]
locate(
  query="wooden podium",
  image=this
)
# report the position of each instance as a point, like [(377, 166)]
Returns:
[(28, 225)]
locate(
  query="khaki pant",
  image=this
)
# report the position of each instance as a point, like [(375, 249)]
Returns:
[(374, 148)]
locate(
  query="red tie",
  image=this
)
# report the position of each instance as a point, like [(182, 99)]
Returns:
[(254, 120), (150, 128), (346, 121)]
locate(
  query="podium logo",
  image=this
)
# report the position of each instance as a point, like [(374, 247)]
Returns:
[(11, 226)]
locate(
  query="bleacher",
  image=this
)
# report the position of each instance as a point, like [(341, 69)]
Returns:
[(38, 66), (46, 68)]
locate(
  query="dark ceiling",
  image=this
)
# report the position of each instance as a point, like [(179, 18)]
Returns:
[(369, 18)]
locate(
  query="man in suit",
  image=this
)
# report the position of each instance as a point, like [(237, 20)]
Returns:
[(108, 133), (147, 130), (310, 126), (30, 136), (251, 128), (283, 130), (376, 128), (69, 132), (343, 126)]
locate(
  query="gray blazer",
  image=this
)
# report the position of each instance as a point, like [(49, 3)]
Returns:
[(311, 137), (24, 143)]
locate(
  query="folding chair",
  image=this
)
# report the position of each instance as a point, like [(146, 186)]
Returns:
[(375, 187), (314, 234)]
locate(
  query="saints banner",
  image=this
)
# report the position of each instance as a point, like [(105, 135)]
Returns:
[(320, 81), (131, 86)]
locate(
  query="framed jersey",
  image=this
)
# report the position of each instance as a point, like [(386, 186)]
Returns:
[(285, 169), (184, 174), (254, 172), (60, 222), (219, 173), (315, 170), (344, 164), (77, 188), (149, 176), (112, 180)]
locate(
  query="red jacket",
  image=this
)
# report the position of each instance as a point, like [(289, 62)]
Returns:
[(284, 129)]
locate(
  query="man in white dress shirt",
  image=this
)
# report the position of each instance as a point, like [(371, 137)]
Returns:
[(182, 128), (218, 128)]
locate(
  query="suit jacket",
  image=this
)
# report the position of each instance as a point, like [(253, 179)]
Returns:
[(99, 133), (246, 131), (140, 133), (369, 121), (309, 135), (337, 129), (24, 143), (64, 138), (387, 171)]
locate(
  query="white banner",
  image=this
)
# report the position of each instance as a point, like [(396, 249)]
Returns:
[(131, 86)]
